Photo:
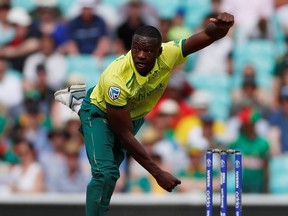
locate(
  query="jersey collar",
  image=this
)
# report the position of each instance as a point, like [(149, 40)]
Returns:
[(143, 79)]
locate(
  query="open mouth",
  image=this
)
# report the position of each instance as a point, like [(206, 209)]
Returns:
[(140, 64)]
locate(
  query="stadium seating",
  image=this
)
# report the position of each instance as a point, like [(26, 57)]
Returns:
[(278, 169), (29, 5), (114, 3), (86, 66), (165, 8), (196, 11), (219, 87), (261, 54)]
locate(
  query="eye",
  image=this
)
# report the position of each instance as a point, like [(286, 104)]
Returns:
[(135, 49)]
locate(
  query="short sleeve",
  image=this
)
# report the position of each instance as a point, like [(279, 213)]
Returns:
[(114, 93), (173, 53)]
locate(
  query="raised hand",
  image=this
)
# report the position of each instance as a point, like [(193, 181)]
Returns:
[(223, 20)]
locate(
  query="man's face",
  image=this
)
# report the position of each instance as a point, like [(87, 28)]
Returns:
[(47, 45), (145, 51), (86, 13)]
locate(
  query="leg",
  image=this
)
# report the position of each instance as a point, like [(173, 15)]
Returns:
[(100, 188), (104, 159)]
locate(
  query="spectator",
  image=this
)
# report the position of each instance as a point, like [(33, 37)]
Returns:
[(53, 61), (280, 77), (163, 123), (73, 179), (48, 21), (55, 149), (88, 33), (12, 84), (193, 177), (263, 30), (178, 89), (125, 31), (27, 176), (148, 13), (24, 42), (139, 180), (255, 152), (247, 18), (233, 127), (102, 9), (250, 95), (178, 29), (6, 30), (278, 135), (32, 124), (109, 14), (72, 125), (164, 27), (41, 88), (164, 143), (200, 101), (165, 116), (205, 133), (6, 152)]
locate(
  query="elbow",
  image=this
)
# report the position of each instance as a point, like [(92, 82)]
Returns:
[(124, 139)]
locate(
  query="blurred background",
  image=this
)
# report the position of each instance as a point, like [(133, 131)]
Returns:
[(232, 94)]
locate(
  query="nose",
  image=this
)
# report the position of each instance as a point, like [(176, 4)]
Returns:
[(141, 55)]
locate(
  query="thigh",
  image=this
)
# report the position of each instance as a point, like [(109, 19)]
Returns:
[(99, 139)]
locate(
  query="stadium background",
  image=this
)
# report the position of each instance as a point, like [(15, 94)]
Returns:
[(234, 89)]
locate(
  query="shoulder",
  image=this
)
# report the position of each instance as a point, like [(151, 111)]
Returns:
[(264, 141), (175, 44), (173, 52), (120, 71), (276, 115), (98, 18), (74, 21), (263, 144)]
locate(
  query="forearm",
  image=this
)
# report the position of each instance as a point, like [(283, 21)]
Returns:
[(26, 48), (139, 153), (216, 29)]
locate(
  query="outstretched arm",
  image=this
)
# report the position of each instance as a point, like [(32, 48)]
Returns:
[(121, 124), (216, 29)]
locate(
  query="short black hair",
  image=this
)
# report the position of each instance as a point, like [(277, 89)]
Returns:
[(149, 31)]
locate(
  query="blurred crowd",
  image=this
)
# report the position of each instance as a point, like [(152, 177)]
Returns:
[(230, 95)]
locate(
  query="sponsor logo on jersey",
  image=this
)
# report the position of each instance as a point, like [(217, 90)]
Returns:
[(114, 92)]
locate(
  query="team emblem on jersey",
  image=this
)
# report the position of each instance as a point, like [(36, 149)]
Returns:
[(114, 92)]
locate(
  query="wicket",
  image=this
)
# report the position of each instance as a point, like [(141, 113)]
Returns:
[(223, 181)]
